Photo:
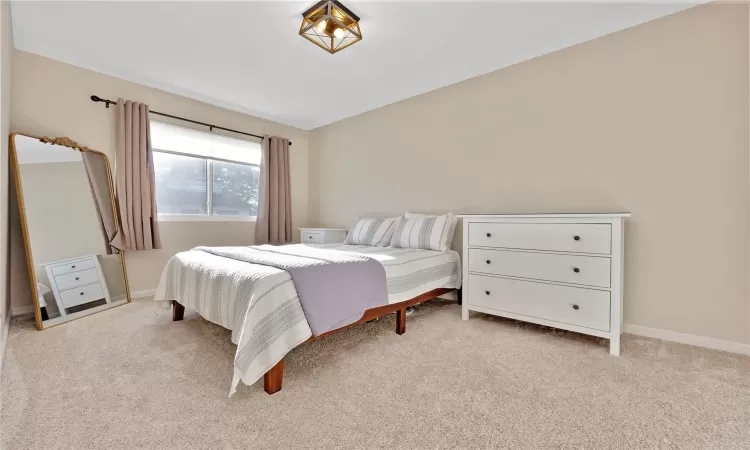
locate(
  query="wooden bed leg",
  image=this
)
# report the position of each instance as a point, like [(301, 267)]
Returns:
[(178, 311), (273, 378), (401, 321)]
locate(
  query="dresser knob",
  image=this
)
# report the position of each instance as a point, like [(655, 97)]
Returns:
[(488, 261), (576, 307), (72, 267), (487, 292), (576, 269), (576, 238), (77, 278), (81, 293), (489, 234)]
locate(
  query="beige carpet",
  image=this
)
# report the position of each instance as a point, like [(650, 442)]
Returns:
[(130, 378)]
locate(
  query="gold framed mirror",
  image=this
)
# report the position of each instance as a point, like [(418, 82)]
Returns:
[(70, 226)]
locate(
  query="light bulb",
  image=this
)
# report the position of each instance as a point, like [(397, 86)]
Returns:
[(339, 33), (321, 27)]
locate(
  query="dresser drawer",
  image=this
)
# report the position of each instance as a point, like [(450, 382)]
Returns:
[(81, 295), (571, 305), (78, 278), (72, 266), (312, 237), (561, 237), (577, 269)]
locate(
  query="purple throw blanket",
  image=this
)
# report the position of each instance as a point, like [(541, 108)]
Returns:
[(335, 288)]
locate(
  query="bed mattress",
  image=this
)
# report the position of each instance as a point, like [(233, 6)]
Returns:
[(409, 272), (259, 304)]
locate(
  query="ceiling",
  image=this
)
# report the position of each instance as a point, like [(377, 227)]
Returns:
[(247, 56)]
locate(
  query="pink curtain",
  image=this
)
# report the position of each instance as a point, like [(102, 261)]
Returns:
[(274, 222), (134, 174), (96, 169)]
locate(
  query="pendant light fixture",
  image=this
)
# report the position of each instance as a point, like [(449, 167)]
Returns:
[(330, 25)]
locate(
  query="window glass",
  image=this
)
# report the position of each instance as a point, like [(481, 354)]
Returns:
[(181, 186), (235, 189)]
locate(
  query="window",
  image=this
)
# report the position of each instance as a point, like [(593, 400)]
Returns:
[(204, 176)]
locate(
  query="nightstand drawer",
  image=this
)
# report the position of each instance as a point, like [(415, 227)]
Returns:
[(81, 295), (78, 278), (72, 266), (322, 235), (312, 237)]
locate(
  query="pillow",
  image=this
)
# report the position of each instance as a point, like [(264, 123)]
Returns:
[(372, 232), (425, 232)]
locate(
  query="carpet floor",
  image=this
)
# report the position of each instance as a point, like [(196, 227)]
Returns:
[(130, 378)]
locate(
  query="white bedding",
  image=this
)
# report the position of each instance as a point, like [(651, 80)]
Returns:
[(259, 304)]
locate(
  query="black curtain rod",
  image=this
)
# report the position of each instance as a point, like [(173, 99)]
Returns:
[(96, 98)]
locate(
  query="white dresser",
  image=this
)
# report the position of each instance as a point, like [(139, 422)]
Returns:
[(322, 235), (559, 270), (77, 281)]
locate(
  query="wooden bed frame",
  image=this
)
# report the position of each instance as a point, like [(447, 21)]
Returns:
[(273, 378)]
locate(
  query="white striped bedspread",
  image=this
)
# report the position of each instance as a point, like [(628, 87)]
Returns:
[(259, 304)]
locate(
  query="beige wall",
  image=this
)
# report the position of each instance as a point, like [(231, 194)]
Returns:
[(651, 120), (52, 98), (6, 57)]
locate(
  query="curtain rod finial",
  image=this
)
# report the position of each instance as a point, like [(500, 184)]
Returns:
[(96, 98)]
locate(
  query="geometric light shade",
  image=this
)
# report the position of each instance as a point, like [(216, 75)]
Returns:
[(330, 25)]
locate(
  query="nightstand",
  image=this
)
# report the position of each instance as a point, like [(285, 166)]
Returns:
[(77, 281), (322, 235)]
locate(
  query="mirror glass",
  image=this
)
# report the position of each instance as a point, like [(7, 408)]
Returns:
[(65, 201)]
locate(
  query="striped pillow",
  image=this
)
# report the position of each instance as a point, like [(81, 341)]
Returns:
[(372, 232), (425, 232)]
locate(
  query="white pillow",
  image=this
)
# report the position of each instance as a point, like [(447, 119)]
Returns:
[(372, 232), (425, 232)]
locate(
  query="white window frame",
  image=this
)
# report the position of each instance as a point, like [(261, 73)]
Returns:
[(208, 217)]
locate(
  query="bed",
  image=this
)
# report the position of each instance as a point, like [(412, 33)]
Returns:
[(261, 306)]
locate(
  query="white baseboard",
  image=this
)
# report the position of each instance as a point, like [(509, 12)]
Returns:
[(4, 338), (26, 309), (689, 339), (141, 294), (21, 310)]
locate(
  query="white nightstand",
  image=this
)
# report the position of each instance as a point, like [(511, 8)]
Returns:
[(77, 281), (322, 235)]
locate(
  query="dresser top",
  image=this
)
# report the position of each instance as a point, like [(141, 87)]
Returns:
[(547, 216), (77, 258)]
